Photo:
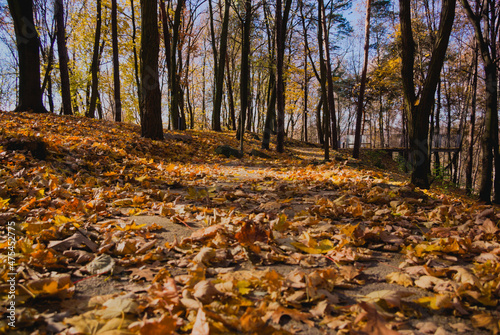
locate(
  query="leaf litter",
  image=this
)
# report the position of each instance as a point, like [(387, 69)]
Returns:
[(121, 235)]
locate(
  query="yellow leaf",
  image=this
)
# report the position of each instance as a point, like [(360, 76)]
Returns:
[(4, 203), (436, 302), (243, 287), (321, 248), (60, 220), (399, 278), (487, 321)]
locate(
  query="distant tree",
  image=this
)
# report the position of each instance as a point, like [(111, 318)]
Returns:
[(151, 123), (63, 57), (487, 17), (28, 48)]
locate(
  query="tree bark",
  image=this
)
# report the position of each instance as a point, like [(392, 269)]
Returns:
[(94, 68), (28, 48), (116, 62), (136, 59), (219, 74), (469, 186), (229, 85), (63, 57), (281, 27), (331, 98), (323, 75), (419, 110), (489, 141), (151, 123), (245, 70), (359, 115)]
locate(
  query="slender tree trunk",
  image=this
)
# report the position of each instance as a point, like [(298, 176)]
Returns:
[(94, 68), (50, 60), (245, 70), (437, 130), (28, 48), (319, 127), (271, 91), (271, 111), (63, 57), (330, 96), (306, 93), (50, 95), (136, 59), (116, 63), (151, 123), (280, 98), (175, 103), (486, 41), (469, 186), (360, 112), (219, 74), (229, 85), (323, 74)]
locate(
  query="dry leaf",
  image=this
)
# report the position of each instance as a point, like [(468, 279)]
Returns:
[(399, 278), (201, 326)]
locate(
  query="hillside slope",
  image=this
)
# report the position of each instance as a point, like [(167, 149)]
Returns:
[(114, 234)]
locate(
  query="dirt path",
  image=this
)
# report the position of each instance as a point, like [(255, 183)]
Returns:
[(249, 190)]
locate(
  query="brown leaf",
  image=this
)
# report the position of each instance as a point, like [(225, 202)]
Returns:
[(487, 321), (77, 240), (201, 326), (205, 291), (164, 325), (399, 278), (375, 324)]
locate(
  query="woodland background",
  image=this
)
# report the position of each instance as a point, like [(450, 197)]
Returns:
[(299, 69)]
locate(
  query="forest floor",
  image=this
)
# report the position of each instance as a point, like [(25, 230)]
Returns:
[(110, 233)]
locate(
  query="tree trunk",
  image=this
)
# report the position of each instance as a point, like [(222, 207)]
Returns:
[(280, 97), (229, 85), (437, 130), (489, 141), (136, 59), (175, 102), (63, 57), (323, 75), (94, 68), (116, 63), (28, 48), (271, 111), (319, 127), (331, 98), (418, 109), (219, 74), (245, 70), (359, 115), (151, 123), (469, 186)]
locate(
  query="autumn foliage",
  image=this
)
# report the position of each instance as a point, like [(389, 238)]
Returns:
[(117, 234)]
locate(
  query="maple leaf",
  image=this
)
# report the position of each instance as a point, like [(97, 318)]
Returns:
[(375, 324)]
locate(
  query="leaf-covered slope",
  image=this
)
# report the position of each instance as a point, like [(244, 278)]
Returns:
[(271, 246)]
